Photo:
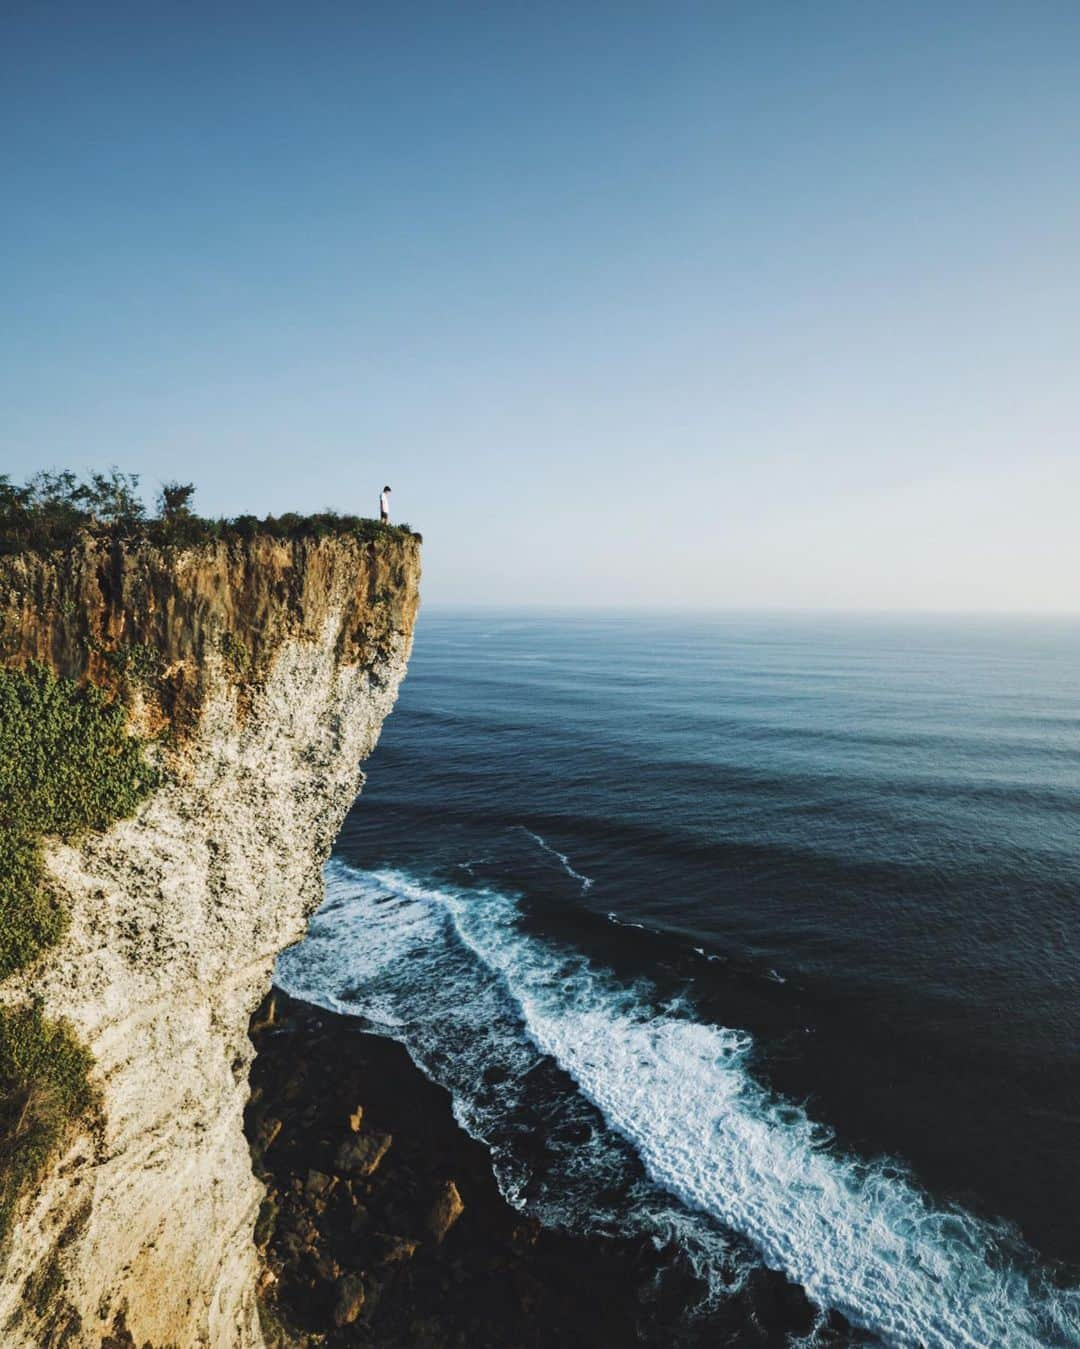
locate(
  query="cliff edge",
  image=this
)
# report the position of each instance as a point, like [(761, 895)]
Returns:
[(255, 672)]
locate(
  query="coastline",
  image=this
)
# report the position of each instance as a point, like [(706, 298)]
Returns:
[(383, 1224)]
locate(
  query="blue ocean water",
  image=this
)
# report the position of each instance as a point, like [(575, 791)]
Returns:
[(752, 933)]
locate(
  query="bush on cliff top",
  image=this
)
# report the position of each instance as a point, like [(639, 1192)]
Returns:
[(67, 764), (51, 509)]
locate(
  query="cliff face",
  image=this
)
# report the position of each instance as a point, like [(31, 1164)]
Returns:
[(268, 666)]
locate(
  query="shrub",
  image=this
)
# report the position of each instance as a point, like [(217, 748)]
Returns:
[(51, 509), (111, 497), (174, 502)]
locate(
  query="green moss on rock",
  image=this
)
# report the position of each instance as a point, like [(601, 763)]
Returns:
[(44, 1088), (67, 764)]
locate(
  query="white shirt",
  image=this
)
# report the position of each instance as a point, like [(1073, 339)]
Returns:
[(384, 503)]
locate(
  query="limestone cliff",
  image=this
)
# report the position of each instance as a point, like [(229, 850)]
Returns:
[(264, 669)]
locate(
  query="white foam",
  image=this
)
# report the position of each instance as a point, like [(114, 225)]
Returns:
[(396, 960), (861, 1239), (585, 881), (625, 922)]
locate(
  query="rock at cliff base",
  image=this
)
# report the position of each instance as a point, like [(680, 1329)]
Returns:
[(388, 1249), (361, 1156), (351, 1296), (326, 1267), (445, 1211), (318, 1184), (266, 1132)]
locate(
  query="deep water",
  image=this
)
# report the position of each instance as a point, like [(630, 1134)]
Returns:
[(754, 932)]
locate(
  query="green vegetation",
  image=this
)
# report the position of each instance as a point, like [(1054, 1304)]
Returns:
[(235, 652), (51, 509), (67, 764), (44, 1087), (139, 662)]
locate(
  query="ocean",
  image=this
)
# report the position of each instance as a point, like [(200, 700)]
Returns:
[(753, 934)]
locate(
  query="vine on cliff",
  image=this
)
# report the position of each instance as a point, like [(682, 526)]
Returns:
[(67, 764)]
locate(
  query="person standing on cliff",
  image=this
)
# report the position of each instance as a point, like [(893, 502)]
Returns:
[(384, 505)]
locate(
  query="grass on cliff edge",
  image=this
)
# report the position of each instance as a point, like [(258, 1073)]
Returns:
[(52, 509), (67, 764)]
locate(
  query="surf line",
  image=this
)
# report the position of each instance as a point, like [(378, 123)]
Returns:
[(870, 1244), (859, 1236), (585, 881)]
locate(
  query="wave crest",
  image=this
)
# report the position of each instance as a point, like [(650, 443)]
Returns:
[(862, 1239)]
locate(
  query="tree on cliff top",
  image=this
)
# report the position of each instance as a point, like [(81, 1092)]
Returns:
[(53, 508), (174, 500)]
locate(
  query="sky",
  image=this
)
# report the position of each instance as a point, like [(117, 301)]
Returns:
[(755, 303)]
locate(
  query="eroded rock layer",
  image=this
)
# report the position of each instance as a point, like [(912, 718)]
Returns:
[(267, 668)]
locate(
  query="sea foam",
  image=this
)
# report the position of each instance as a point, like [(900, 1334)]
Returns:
[(860, 1238)]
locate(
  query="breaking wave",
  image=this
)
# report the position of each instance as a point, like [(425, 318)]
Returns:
[(651, 1119)]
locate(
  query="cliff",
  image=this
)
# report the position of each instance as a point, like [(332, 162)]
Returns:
[(257, 672)]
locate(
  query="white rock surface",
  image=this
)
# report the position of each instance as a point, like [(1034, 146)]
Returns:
[(177, 917)]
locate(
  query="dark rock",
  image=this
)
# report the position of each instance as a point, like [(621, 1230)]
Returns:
[(387, 1249), (267, 1131), (500, 1280), (326, 1268), (265, 1222), (361, 1156), (524, 1234), (445, 1211), (318, 1184), (351, 1296), (266, 1014), (293, 1090)]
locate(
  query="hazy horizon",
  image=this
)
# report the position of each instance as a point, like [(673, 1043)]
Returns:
[(705, 609), (681, 305)]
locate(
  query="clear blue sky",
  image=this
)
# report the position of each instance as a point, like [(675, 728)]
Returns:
[(722, 303)]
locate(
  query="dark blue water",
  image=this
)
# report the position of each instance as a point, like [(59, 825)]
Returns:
[(752, 933)]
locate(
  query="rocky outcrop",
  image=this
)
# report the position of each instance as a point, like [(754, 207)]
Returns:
[(425, 1253), (265, 667), (165, 627)]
